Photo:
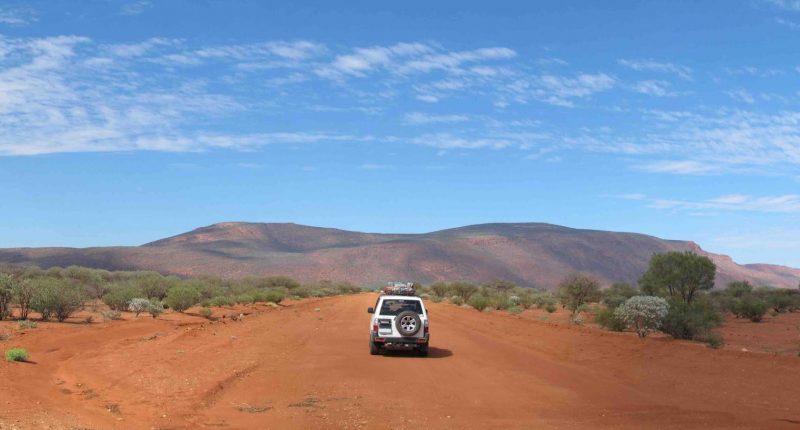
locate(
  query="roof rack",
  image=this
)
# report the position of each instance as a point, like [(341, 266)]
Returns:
[(400, 289)]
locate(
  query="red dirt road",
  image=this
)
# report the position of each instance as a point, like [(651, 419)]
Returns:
[(306, 365)]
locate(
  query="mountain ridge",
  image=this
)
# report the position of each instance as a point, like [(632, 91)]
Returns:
[(531, 254)]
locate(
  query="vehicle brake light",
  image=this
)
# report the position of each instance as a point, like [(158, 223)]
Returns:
[(426, 330), (375, 328)]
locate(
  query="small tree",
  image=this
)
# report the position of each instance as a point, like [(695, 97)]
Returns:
[(577, 290), (750, 307), (6, 295), (23, 295), (182, 297), (138, 305), (59, 298), (739, 289), (463, 289), (678, 274), (440, 288), (617, 293), (645, 313)]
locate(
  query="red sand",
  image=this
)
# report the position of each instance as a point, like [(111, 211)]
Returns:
[(299, 367)]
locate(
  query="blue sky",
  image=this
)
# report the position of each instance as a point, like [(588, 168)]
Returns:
[(124, 122)]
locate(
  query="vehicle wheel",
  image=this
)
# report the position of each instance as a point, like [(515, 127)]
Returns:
[(374, 349), (407, 323), (422, 351)]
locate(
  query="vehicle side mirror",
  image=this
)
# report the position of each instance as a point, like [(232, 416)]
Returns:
[(370, 310)]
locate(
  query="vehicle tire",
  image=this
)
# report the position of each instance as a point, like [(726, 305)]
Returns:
[(407, 323), (374, 349), (422, 351)]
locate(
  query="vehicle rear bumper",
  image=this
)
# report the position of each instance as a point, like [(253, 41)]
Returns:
[(404, 341)]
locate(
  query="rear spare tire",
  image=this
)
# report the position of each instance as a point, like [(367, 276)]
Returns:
[(407, 323)]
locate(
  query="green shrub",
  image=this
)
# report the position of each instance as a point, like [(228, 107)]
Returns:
[(690, 321), (515, 310), (478, 302), (274, 296), (436, 299), (457, 300), (550, 307), (155, 308), (181, 298), (617, 294), (6, 295), (119, 295), (246, 299), (608, 320), (17, 354), (715, 340), (23, 295), (750, 307), (26, 324), (219, 301), (206, 313), (57, 298), (577, 290), (499, 301)]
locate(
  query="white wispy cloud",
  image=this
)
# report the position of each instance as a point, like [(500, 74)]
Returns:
[(787, 23), (649, 65), (653, 88), (789, 203), (449, 141), (418, 118), (136, 7), (681, 167), (791, 5), (559, 90), (17, 16)]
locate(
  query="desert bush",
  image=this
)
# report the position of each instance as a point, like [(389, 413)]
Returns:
[(155, 308), (690, 321), (679, 275), (57, 298), (478, 302), (26, 324), (463, 289), (514, 300), (441, 289), (750, 307), (119, 295), (457, 300), (738, 289), (23, 295), (577, 290), (645, 313), (274, 296), (617, 294), (181, 298), (499, 301), (714, 340), (138, 305), (205, 313), (514, 310), (607, 319), (780, 300), (246, 299), (550, 307), (111, 315), (219, 301), (425, 296), (436, 299), (6, 295), (17, 354)]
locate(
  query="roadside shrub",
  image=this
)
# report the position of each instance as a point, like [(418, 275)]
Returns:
[(514, 300), (715, 340), (111, 315), (515, 310), (57, 298), (17, 354), (26, 324), (457, 300), (463, 289), (738, 289), (550, 307), (436, 299), (478, 302), (690, 321), (155, 308), (138, 306), (219, 301), (441, 289), (206, 313), (645, 313), (750, 307), (274, 296), (246, 299), (181, 298), (617, 294), (607, 319), (499, 301), (6, 295), (119, 295), (23, 296), (577, 290)]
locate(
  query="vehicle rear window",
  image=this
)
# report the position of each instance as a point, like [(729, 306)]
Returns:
[(395, 306)]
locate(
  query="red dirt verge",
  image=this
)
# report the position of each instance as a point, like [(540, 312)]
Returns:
[(307, 365)]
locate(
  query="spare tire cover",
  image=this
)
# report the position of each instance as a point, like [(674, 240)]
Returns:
[(407, 323)]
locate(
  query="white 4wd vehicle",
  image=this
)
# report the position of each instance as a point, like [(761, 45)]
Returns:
[(399, 322)]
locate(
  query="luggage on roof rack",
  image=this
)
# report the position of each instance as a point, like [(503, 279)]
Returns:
[(400, 289)]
